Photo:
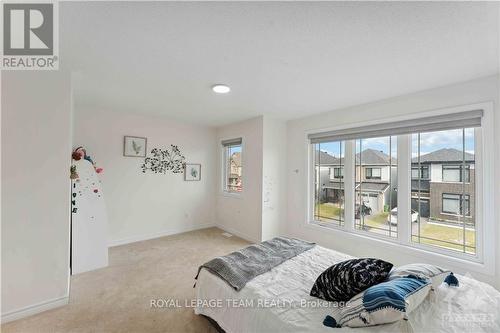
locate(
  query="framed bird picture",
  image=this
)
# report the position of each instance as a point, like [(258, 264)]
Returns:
[(192, 172), (134, 146)]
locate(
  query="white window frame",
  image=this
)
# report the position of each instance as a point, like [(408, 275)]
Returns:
[(223, 168), (484, 259)]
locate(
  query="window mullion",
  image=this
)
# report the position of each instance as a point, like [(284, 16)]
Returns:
[(404, 188), (349, 181)]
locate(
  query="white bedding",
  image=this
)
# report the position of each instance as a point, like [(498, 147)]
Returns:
[(276, 301)]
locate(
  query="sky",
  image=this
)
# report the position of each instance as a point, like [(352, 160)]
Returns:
[(429, 142)]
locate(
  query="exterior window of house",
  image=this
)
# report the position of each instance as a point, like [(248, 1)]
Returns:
[(434, 160), (456, 204), (424, 172), (336, 173), (329, 191), (455, 173), (373, 173), (375, 208), (232, 166), (444, 205)]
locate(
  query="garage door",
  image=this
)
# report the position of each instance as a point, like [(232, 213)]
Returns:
[(371, 200), (424, 207)]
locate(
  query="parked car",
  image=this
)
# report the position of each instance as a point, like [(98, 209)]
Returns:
[(393, 216), (363, 210)]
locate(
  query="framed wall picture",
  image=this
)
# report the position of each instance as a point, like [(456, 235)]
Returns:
[(134, 146), (192, 172)]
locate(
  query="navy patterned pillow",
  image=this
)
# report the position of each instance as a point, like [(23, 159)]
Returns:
[(344, 280)]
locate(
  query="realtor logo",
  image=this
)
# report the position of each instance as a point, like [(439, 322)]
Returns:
[(29, 36)]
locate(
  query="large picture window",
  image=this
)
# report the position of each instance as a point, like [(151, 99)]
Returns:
[(359, 170)]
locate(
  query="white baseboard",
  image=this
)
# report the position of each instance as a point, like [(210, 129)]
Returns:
[(34, 309), (163, 233), (238, 233)]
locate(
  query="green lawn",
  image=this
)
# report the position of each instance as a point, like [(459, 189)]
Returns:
[(433, 234), (442, 234), (329, 211)]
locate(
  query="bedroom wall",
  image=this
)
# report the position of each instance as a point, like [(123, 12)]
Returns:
[(143, 206), (480, 90), (36, 148), (241, 214), (274, 177)]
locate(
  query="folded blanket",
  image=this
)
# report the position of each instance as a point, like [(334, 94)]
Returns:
[(241, 266)]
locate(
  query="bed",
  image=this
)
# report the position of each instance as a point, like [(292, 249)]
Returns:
[(279, 301)]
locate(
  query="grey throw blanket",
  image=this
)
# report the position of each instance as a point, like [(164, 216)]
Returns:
[(241, 266)]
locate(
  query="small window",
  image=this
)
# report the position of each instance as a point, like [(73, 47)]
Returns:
[(373, 173), (424, 172), (337, 173), (232, 166), (456, 204), (455, 173)]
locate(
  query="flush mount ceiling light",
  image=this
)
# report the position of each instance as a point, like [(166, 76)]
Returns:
[(221, 89)]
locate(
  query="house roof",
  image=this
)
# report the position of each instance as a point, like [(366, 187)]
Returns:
[(365, 186), (372, 187), (325, 158), (236, 158), (368, 157), (334, 185), (372, 156), (444, 155)]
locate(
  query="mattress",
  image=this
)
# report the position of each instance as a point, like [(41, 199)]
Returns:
[(279, 301)]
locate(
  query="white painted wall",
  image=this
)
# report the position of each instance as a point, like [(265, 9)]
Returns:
[(36, 150), (241, 214), (481, 90), (142, 206), (274, 177), (436, 173)]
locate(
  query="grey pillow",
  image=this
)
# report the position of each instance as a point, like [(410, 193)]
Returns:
[(430, 272)]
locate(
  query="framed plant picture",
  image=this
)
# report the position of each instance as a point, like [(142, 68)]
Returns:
[(192, 172), (134, 146)]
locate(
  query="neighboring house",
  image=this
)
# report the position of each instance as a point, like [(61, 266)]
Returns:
[(374, 170), (445, 182), (331, 174), (235, 172)]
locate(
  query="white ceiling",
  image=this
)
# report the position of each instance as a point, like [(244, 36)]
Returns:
[(284, 59)]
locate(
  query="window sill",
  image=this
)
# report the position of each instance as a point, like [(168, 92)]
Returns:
[(235, 195), (465, 261), (455, 215)]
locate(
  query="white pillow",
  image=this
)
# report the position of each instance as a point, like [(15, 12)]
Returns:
[(385, 302), (424, 271)]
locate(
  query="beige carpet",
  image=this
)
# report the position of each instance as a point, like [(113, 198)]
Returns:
[(117, 298)]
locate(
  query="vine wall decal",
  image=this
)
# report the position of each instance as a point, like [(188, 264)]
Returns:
[(163, 160)]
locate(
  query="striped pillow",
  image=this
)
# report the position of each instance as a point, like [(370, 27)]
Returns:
[(434, 273), (385, 303)]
